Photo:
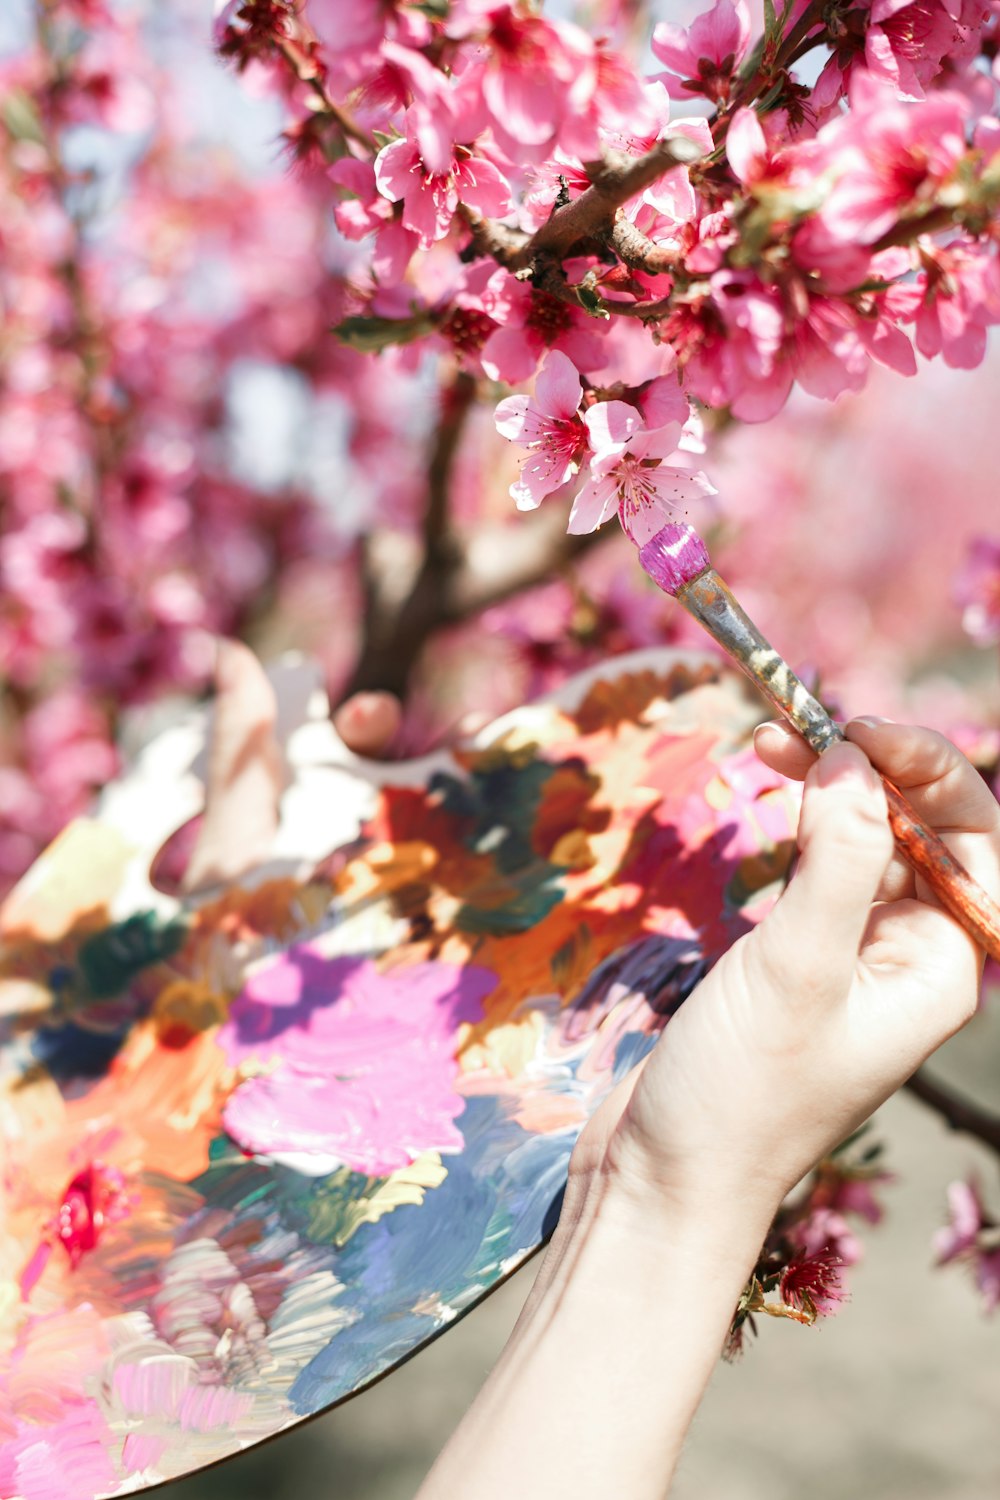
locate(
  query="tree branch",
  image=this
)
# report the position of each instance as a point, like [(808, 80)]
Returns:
[(615, 179), (957, 1113), (493, 566), (500, 563), (456, 399), (306, 72), (638, 250)]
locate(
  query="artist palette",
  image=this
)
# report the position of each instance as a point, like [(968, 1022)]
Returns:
[(261, 1147)]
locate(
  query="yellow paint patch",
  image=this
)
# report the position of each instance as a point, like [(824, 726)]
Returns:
[(76, 877), (506, 1050)]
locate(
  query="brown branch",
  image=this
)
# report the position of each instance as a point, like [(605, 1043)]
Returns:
[(638, 250), (456, 398), (307, 72), (615, 179), (397, 628), (957, 1113), (908, 230), (500, 563), (493, 238), (492, 567)]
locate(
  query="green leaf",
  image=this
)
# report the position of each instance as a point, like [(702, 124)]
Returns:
[(21, 117), (370, 333)]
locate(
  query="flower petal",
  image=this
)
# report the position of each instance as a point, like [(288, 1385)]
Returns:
[(594, 504), (510, 416), (557, 389), (611, 425), (394, 169)]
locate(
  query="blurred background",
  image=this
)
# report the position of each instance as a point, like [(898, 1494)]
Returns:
[(187, 452)]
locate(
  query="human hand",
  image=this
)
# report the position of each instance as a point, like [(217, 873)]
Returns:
[(807, 1024), (246, 769)]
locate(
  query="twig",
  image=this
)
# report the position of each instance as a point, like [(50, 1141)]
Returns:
[(957, 1113), (615, 179), (306, 72), (638, 250)]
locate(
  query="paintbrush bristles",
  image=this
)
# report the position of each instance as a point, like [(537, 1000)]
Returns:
[(674, 556)]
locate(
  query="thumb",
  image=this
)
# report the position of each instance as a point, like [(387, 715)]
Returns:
[(845, 845)]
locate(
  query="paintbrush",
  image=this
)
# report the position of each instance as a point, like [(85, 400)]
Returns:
[(677, 561)]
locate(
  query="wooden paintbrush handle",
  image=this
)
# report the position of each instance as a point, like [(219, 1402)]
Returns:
[(928, 854)]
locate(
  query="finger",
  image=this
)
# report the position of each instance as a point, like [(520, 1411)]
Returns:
[(942, 787), (246, 773), (818, 924), (368, 723), (783, 749)]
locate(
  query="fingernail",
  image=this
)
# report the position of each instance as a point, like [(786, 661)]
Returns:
[(775, 726), (871, 721), (845, 765)]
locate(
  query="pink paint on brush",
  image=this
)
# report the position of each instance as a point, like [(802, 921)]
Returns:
[(365, 1060), (674, 556)]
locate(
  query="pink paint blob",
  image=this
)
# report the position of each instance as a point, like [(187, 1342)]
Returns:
[(52, 1463), (366, 1060), (208, 1408), (141, 1451)]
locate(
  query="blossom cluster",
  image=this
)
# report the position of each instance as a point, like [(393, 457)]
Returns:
[(517, 186), (129, 539)]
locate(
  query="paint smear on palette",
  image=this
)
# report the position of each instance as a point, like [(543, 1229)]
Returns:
[(364, 1060), (260, 1149)]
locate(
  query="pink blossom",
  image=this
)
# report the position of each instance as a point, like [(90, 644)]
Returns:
[(961, 301), (813, 1280), (532, 321), (707, 53), (971, 1237), (368, 212), (629, 472), (536, 79), (886, 160), (549, 424), (730, 344), (813, 1283), (431, 194), (977, 590), (905, 43)]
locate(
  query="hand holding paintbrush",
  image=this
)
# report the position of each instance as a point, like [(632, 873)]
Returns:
[(677, 561)]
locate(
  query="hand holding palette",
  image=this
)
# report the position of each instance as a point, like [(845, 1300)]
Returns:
[(261, 1148)]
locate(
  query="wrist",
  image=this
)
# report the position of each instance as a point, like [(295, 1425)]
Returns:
[(696, 1204), (643, 1227)]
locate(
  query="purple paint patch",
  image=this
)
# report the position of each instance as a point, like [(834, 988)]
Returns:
[(674, 556), (366, 1066)]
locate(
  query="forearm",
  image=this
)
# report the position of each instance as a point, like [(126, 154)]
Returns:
[(598, 1383)]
